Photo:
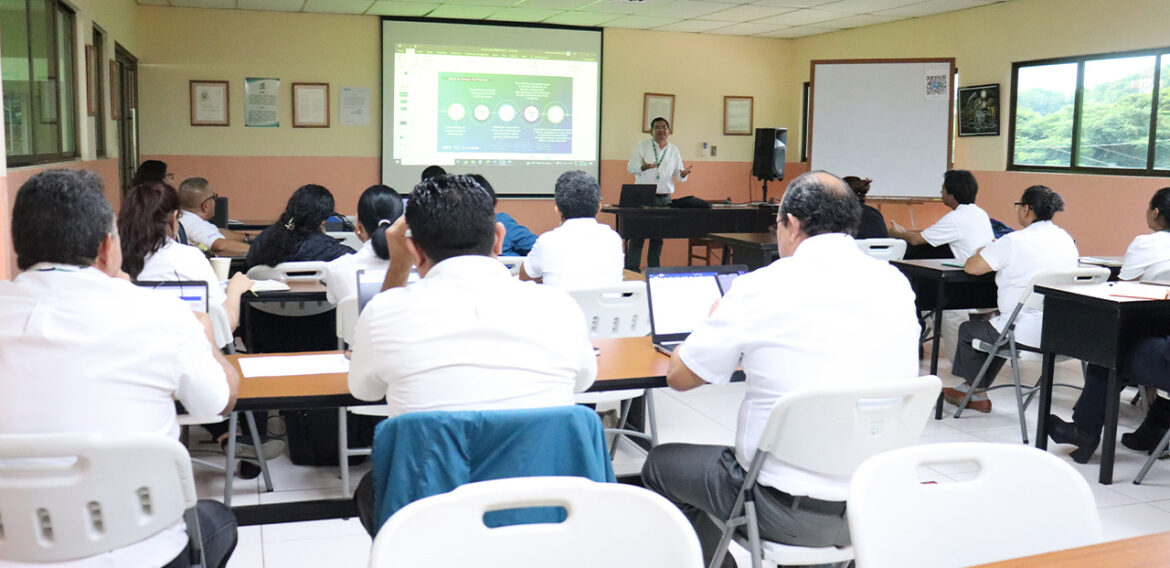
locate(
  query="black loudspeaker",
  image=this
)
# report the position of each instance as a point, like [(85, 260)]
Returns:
[(220, 219), (768, 158)]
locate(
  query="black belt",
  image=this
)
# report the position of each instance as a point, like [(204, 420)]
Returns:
[(804, 503)]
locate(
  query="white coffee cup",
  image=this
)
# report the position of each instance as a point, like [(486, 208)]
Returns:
[(221, 266)]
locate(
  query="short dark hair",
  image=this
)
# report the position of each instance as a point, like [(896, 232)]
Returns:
[(483, 182), (150, 170), (379, 206), (822, 203), (144, 223), (191, 192), (961, 185), (1161, 202), (577, 195), (657, 119), (60, 216), (1043, 202), (451, 216), (433, 172)]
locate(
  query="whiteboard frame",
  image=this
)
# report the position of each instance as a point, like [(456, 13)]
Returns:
[(950, 159)]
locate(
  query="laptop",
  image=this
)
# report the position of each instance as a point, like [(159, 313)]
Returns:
[(193, 293), (369, 283), (637, 195), (681, 298)]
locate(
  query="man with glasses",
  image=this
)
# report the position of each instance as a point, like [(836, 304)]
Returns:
[(198, 203), (656, 162)]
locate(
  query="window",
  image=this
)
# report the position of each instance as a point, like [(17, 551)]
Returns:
[(40, 81), (1093, 114)]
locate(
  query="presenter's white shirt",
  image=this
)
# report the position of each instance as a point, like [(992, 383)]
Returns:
[(1146, 255), (83, 352), (966, 228), (1016, 258), (581, 253), (199, 232), (469, 336), (827, 315), (341, 272), (668, 170), (183, 262)]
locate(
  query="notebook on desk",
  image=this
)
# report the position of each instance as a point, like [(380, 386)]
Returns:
[(637, 195), (681, 297), (193, 293)]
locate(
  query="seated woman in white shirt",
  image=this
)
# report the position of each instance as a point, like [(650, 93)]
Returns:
[(147, 226), (1015, 258), (378, 207), (1149, 254), (581, 253)]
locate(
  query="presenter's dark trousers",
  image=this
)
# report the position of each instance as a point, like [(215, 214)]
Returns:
[(1147, 363), (634, 246), (704, 480)]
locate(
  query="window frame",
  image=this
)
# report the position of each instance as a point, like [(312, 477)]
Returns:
[(99, 118), (1078, 107), (53, 11)]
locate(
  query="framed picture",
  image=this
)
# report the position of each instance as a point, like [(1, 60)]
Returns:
[(737, 116), (209, 103), (92, 80), (979, 110), (115, 91), (310, 105), (656, 105)]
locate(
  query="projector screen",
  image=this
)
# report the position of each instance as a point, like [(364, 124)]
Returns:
[(519, 104)]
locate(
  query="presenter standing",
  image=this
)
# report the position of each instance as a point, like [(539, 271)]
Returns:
[(656, 162)]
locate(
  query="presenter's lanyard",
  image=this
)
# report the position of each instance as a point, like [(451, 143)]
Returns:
[(657, 159)]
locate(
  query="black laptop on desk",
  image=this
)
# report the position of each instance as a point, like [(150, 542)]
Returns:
[(681, 298), (637, 195)]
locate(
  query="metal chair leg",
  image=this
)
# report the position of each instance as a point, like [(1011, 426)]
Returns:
[(1019, 396), (1153, 458), (343, 449), (650, 416), (230, 470), (257, 443)]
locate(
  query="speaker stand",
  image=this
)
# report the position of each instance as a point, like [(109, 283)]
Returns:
[(765, 191)]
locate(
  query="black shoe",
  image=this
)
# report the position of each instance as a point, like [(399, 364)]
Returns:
[(248, 470), (1063, 432), (1147, 436)]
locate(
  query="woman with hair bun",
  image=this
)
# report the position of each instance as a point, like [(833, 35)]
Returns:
[(298, 235), (378, 207), (873, 225)]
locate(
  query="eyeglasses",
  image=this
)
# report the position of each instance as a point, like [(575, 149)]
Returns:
[(170, 175), (1019, 203), (211, 198)]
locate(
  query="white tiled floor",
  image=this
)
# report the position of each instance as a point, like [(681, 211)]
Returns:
[(707, 415)]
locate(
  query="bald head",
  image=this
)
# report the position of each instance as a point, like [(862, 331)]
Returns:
[(822, 203)]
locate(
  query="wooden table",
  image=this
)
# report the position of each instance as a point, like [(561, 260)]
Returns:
[(627, 363), (753, 249), (1113, 263), (249, 224), (939, 287), (1142, 552), (1086, 323), (680, 223)]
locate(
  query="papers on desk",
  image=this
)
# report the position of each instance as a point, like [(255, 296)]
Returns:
[(289, 365), (1135, 290), (269, 286)]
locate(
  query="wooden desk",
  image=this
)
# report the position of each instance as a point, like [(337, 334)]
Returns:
[(1086, 323), (938, 287), (679, 223), (753, 249), (249, 224), (1142, 552)]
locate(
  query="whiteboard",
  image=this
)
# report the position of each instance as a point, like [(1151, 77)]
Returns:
[(889, 121)]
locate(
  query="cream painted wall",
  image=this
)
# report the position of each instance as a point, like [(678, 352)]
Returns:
[(183, 44)]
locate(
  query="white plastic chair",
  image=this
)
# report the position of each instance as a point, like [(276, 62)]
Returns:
[(1023, 501), (347, 314), (513, 263), (608, 524), (829, 431), (347, 238), (620, 310), (307, 271), (94, 493), (1005, 345), (883, 249)]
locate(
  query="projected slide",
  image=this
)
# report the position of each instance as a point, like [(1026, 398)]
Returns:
[(505, 113)]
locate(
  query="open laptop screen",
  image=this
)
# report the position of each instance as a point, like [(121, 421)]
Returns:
[(193, 293), (679, 301), (369, 283)]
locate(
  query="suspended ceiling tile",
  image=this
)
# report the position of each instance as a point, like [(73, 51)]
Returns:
[(798, 31), (513, 14), (272, 5), (582, 18), (684, 9), (415, 9), (931, 7), (743, 29), (149, 3), (860, 20), (692, 26), (865, 6), (463, 12), (641, 22), (801, 18), (221, 4), (338, 6), (746, 13), (793, 3)]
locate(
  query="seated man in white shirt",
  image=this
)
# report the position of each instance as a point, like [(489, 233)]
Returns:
[(965, 228), (198, 202), (1015, 258), (581, 253), (799, 322), (84, 350)]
